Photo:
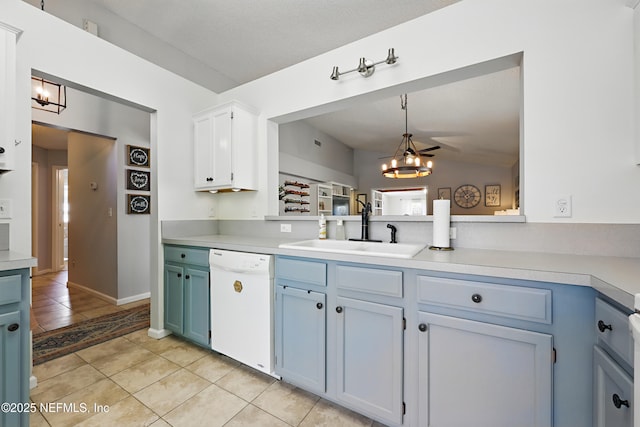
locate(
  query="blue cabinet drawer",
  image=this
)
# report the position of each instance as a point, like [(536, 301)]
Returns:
[(186, 255), (516, 302), (10, 289), (612, 328), (303, 271), (370, 280)]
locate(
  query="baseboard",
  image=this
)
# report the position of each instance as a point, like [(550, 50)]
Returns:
[(41, 272), (33, 382), (109, 299), (134, 298), (93, 292), (158, 333)]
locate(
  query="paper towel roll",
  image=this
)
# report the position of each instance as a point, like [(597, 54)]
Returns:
[(441, 220)]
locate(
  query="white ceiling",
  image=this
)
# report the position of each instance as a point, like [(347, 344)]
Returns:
[(474, 121)]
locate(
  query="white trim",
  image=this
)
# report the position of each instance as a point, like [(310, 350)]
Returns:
[(57, 245), (93, 292), (633, 3), (34, 216), (41, 272), (158, 333), (33, 382), (107, 298), (133, 298)]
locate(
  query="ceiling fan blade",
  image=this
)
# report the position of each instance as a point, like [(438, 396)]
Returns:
[(424, 150)]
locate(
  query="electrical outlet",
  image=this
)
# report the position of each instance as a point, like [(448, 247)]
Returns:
[(453, 232), (285, 228), (562, 207), (5, 208)]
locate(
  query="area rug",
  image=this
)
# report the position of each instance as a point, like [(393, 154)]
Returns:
[(59, 342)]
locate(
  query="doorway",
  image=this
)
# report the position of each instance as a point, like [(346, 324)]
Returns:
[(60, 217)]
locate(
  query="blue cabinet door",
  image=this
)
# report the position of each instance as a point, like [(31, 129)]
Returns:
[(196, 309), (370, 357), (174, 298), (483, 375), (300, 337), (11, 373)]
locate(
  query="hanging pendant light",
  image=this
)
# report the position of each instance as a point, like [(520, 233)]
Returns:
[(406, 161)]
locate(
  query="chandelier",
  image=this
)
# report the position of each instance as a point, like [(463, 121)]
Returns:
[(406, 161)]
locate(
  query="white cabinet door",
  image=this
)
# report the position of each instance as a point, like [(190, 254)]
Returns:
[(483, 375), (7, 97), (613, 393), (225, 148), (203, 151)]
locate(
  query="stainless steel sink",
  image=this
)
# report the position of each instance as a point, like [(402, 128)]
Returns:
[(392, 250)]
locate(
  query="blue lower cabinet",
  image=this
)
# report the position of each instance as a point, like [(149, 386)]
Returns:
[(300, 337), (370, 358), (187, 294), (478, 374), (15, 353)]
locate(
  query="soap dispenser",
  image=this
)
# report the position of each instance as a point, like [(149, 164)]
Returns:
[(322, 233)]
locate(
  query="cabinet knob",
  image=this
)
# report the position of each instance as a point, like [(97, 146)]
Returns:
[(319, 306), (179, 274), (13, 327), (477, 298), (183, 255), (338, 309), (209, 179), (422, 327), (617, 402), (187, 277), (1, 150), (603, 326)]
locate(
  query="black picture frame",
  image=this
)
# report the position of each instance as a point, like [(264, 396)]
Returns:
[(138, 156), (138, 180), (492, 195), (444, 193), (138, 204)]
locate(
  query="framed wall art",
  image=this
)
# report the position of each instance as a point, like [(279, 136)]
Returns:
[(138, 204), (138, 180), (492, 195), (138, 156), (444, 193)]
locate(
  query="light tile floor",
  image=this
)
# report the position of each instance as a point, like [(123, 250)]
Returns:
[(142, 381), (54, 305)]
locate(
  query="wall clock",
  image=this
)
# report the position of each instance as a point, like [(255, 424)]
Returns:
[(467, 196)]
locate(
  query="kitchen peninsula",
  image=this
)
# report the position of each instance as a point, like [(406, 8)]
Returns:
[(505, 307)]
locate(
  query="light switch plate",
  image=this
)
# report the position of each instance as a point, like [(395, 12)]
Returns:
[(5, 208)]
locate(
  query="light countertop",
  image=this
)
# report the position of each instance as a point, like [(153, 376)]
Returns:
[(10, 260), (616, 277)]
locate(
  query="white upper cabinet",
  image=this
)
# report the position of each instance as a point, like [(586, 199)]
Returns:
[(225, 144), (7, 97)]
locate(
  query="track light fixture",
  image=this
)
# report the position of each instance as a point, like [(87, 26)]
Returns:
[(366, 67)]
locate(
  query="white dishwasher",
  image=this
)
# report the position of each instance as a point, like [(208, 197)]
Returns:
[(242, 307)]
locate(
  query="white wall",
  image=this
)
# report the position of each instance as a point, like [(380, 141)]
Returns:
[(636, 38), (57, 48), (578, 106)]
